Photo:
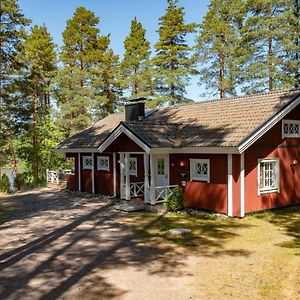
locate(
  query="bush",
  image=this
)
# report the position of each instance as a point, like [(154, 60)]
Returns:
[(4, 184), (175, 201), (19, 181)]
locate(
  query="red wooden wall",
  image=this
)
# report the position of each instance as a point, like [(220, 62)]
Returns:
[(287, 150), (209, 196)]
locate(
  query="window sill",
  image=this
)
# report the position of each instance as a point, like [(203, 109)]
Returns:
[(199, 180), (269, 191)]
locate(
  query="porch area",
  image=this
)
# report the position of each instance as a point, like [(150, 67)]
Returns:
[(155, 186)]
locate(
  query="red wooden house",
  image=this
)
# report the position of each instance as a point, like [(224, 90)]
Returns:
[(233, 156)]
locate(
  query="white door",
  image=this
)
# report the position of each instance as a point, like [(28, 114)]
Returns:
[(161, 170)]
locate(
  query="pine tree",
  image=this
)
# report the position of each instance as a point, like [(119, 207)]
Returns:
[(33, 110), (135, 66), (12, 33), (172, 61), (269, 34), (218, 46), (107, 84), (80, 55)]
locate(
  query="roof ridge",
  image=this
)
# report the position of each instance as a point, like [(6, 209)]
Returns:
[(232, 98)]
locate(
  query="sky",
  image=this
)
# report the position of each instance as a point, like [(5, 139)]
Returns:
[(115, 19)]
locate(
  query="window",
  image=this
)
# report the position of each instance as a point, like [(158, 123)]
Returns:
[(103, 163), (290, 128), (268, 175), (199, 169), (133, 166), (87, 162), (160, 166)]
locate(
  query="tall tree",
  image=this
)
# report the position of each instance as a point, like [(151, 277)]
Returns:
[(269, 34), (107, 84), (218, 46), (173, 61), (80, 55), (12, 33), (136, 65), (33, 110)]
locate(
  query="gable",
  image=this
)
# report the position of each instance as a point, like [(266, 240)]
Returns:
[(123, 144)]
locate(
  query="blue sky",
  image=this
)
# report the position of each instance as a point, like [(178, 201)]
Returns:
[(115, 18)]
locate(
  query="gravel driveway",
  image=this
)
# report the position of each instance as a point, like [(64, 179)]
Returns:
[(68, 245)]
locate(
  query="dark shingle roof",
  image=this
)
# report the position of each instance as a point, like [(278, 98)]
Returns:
[(214, 123)]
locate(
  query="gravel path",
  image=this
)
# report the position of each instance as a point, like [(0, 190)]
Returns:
[(68, 245)]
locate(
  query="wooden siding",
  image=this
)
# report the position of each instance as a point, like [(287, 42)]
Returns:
[(209, 196), (271, 145), (123, 144), (104, 179)]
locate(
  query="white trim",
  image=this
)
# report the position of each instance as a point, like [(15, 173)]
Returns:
[(287, 135), (116, 133), (276, 175), (275, 119), (76, 150), (84, 165), (229, 186), (93, 173), (79, 172), (127, 177), (133, 172), (191, 150), (197, 177), (122, 174), (146, 178), (152, 180), (242, 177), (99, 168), (115, 174)]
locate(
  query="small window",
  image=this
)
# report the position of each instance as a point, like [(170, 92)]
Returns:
[(290, 129), (199, 169), (133, 166), (268, 175), (160, 166), (87, 162), (103, 163)]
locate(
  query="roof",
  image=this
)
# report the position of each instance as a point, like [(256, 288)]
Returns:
[(213, 123)]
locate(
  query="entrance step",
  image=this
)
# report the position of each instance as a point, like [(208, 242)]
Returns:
[(129, 207)]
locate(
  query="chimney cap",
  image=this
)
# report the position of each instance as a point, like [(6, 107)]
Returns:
[(137, 99)]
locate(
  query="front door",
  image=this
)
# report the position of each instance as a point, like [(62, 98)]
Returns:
[(161, 170)]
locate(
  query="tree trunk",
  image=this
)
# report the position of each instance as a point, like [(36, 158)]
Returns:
[(35, 141), (297, 43), (172, 92), (270, 63), (222, 74)]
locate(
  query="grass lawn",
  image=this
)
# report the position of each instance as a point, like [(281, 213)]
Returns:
[(257, 257)]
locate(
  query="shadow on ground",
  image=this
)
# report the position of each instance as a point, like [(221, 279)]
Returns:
[(57, 243), (289, 220)]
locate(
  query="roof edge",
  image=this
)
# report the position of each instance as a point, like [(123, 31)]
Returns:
[(260, 131), (121, 128)]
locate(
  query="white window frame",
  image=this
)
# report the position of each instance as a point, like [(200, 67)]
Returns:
[(133, 172), (265, 190), (99, 166), (290, 135), (87, 166), (197, 177)]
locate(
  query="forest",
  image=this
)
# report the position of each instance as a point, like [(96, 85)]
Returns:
[(48, 93)]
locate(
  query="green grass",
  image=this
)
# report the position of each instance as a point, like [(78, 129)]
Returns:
[(257, 257)]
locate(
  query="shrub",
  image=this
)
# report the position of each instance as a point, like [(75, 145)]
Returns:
[(19, 181), (175, 201), (4, 184)]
